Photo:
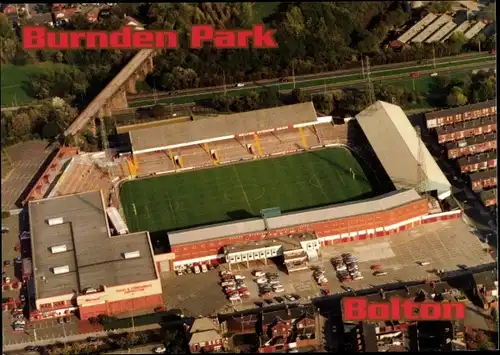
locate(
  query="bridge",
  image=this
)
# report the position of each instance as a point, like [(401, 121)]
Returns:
[(114, 95)]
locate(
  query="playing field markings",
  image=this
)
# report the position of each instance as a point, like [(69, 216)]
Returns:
[(317, 181), (341, 179), (147, 209), (171, 208), (242, 189)]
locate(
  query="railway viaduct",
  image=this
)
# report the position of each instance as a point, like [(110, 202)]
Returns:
[(114, 95)]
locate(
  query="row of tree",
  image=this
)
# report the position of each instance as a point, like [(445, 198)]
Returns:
[(45, 121)]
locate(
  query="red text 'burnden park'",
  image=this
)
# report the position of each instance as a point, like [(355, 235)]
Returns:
[(35, 37)]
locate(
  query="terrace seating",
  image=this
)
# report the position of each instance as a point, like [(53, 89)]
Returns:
[(154, 162)]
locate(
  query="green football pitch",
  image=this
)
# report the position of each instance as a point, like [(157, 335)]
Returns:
[(234, 192)]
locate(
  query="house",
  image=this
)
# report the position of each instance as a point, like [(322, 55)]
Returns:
[(10, 9), (472, 145), (91, 13), (132, 22), (461, 130), (43, 19), (204, 336), (488, 197), (483, 179), (477, 162), (240, 323), (485, 288), (459, 114)]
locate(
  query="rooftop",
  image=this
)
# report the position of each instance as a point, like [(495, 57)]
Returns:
[(485, 174), (220, 127), (288, 242), (381, 203), (462, 126), (461, 109), (84, 232), (483, 138), (477, 158), (399, 149)]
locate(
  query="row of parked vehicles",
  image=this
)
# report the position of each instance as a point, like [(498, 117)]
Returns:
[(234, 286), (195, 269), (319, 277), (268, 283), (347, 268)]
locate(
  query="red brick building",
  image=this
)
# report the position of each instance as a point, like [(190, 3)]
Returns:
[(460, 114), (483, 179), (461, 130), (204, 336), (477, 162), (472, 145), (488, 197)]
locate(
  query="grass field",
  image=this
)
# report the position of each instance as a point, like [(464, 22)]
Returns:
[(241, 191), (13, 77)]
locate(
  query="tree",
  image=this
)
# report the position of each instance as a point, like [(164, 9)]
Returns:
[(8, 40), (323, 103), (298, 96), (456, 42), (456, 97)]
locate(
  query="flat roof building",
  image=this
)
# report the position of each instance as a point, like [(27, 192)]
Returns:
[(75, 254)]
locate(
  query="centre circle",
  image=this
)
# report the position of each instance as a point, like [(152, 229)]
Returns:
[(244, 193)]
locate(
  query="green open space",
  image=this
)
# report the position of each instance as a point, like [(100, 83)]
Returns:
[(338, 79), (13, 78), (235, 192)]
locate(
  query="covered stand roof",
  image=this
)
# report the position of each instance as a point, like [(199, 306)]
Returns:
[(220, 128), (402, 153)]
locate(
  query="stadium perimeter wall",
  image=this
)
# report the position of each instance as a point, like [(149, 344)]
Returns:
[(368, 226)]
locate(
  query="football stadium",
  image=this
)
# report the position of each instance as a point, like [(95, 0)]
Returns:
[(273, 184)]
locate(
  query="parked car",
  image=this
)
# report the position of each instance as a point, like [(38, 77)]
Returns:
[(160, 309), (424, 263), (22, 298), (239, 277), (341, 267), (189, 271), (379, 273), (290, 298), (279, 299), (92, 339), (279, 289), (204, 268), (5, 229), (6, 263), (160, 350), (196, 269), (235, 297), (240, 85), (60, 320), (228, 283), (261, 281), (258, 273), (274, 282), (269, 301)]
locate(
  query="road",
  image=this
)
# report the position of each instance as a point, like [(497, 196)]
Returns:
[(143, 349), (337, 77)]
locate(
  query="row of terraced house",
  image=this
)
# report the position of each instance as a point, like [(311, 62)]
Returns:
[(468, 134)]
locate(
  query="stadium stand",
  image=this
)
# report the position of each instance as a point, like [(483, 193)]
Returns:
[(404, 158)]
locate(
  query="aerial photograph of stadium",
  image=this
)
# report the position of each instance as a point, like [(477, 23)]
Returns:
[(217, 199)]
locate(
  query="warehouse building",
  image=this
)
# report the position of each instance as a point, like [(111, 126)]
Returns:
[(472, 145), (460, 114), (461, 28), (436, 25), (80, 267), (414, 30), (474, 30), (399, 148), (443, 31)]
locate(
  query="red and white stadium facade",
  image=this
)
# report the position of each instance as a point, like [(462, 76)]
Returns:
[(330, 232), (111, 300)]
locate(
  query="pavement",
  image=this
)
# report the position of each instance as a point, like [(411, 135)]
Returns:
[(143, 349), (445, 244), (26, 160)]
